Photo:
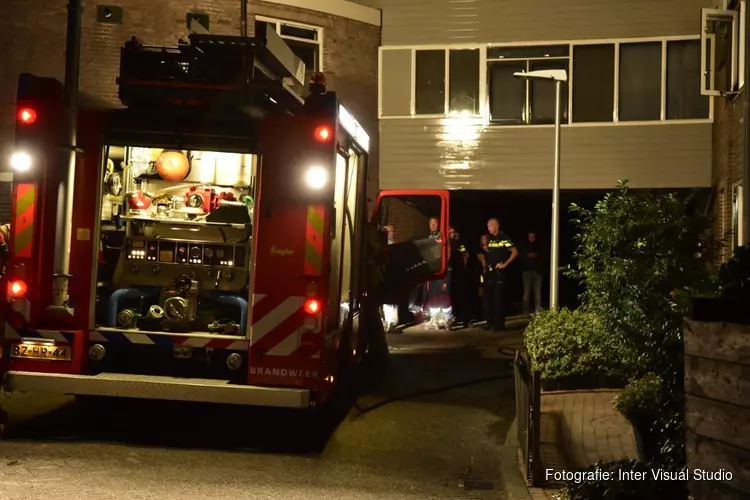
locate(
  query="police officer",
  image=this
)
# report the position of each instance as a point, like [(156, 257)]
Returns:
[(459, 279), (501, 252)]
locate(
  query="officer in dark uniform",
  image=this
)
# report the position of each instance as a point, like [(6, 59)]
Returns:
[(459, 279), (501, 252)]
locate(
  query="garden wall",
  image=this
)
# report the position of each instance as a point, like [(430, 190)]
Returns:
[(717, 387)]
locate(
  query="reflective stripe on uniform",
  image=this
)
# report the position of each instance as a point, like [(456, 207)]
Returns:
[(501, 244)]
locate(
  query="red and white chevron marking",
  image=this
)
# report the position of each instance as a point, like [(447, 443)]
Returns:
[(275, 324), (232, 345), (22, 306)]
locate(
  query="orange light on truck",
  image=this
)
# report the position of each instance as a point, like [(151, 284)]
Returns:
[(322, 134), (17, 289), (312, 306), (27, 116)]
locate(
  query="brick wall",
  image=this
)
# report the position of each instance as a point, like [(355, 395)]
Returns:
[(33, 40), (728, 151)]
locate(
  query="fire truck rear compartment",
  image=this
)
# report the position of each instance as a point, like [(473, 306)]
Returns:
[(176, 235)]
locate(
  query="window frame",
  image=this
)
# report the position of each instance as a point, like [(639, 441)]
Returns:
[(525, 121), (484, 101), (708, 49), (446, 92), (318, 29)]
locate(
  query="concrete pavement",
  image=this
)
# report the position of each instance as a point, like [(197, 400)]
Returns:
[(445, 444)]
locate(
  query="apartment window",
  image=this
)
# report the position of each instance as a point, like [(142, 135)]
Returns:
[(629, 81), (507, 93), (517, 101), (639, 89), (429, 90), (593, 83), (455, 71), (684, 99), (463, 81), (304, 40)]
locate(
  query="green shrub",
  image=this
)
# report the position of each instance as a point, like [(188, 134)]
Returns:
[(641, 256), (647, 488), (564, 343), (641, 399)]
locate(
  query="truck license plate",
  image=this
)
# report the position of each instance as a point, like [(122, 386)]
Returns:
[(29, 350)]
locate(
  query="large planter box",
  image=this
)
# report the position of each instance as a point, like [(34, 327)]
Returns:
[(717, 413)]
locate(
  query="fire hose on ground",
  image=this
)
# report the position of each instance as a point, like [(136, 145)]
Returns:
[(507, 352)]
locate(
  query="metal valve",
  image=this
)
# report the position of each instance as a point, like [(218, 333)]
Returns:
[(135, 270), (156, 268), (155, 312)]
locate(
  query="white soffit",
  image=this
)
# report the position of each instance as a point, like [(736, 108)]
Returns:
[(340, 8)]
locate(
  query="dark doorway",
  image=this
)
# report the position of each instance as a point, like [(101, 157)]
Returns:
[(520, 212)]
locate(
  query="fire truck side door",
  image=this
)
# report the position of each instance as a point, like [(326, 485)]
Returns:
[(415, 224)]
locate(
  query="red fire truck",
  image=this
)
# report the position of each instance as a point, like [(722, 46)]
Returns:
[(211, 243)]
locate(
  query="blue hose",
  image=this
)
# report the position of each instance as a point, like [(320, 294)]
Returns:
[(125, 294), (237, 301)]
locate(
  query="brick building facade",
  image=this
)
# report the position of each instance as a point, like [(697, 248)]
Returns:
[(728, 138), (728, 155), (33, 40)]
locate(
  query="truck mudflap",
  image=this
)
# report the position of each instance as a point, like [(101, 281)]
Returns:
[(158, 387)]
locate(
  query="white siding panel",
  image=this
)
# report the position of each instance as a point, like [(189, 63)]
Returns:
[(414, 22), (428, 154)]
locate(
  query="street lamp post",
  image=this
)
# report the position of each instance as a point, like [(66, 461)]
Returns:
[(558, 76)]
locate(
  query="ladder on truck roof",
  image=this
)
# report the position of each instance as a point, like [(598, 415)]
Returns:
[(255, 75), (211, 92)]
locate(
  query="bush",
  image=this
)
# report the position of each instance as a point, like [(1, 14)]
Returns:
[(640, 400), (564, 344), (646, 404), (630, 489), (641, 256)]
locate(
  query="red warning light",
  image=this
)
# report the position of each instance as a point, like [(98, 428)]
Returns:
[(312, 306), (322, 134), (17, 289), (27, 116)]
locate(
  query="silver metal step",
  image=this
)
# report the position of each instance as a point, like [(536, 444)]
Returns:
[(157, 387)]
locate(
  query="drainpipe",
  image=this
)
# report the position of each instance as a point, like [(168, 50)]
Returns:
[(67, 166), (746, 156), (243, 18)]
